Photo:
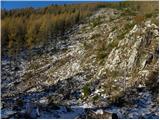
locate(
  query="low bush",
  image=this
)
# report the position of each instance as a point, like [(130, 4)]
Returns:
[(86, 90), (95, 98), (149, 15)]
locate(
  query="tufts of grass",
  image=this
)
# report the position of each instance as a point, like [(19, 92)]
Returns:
[(112, 19), (95, 35), (121, 35), (104, 50), (111, 88), (114, 28), (113, 74), (155, 21), (126, 29), (113, 44), (87, 45), (95, 22)]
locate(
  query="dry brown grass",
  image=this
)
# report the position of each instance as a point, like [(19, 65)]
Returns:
[(139, 19)]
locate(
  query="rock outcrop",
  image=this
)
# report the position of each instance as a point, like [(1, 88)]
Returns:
[(103, 69)]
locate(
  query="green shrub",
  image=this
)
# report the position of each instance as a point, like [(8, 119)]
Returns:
[(95, 98), (148, 15), (86, 90)]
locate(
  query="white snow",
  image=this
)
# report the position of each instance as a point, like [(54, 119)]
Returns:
[(85, 105), (100, 111), (43, 101), (97, 91), (32, 90), (140, 86)]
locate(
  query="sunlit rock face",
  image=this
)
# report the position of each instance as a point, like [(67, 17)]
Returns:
[(102, 70)]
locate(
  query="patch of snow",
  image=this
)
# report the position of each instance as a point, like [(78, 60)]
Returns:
[(73, 114), (100, 111), (5, 113), (47, 82), (85, 105), (148, 23), (140, 86), (32, 90), (97, 91), (42, 101), (115, 80)]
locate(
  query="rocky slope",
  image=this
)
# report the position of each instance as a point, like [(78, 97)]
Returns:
[(106, 67)]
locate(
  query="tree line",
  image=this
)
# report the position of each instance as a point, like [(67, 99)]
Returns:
[(28, 27)]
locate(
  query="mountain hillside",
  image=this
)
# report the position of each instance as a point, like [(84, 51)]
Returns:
[(105, 67)]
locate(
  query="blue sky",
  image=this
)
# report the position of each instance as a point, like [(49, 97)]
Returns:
[(23, 4)]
